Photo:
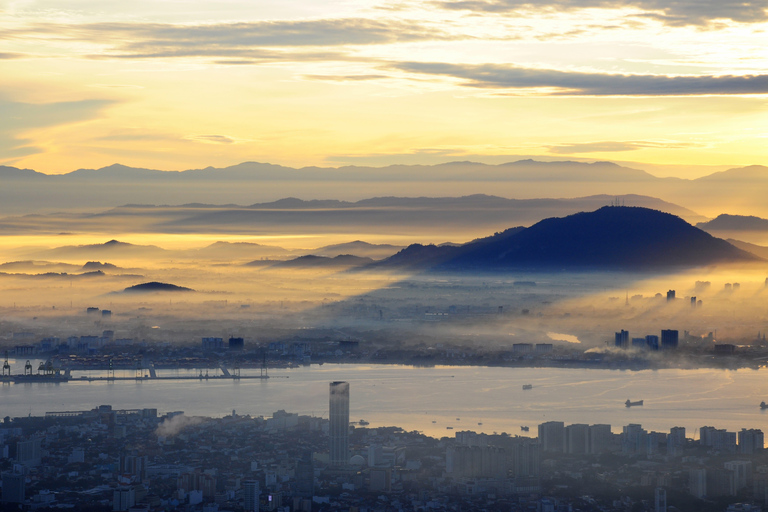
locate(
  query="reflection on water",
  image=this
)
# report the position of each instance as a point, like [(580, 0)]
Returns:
[(432, 399)]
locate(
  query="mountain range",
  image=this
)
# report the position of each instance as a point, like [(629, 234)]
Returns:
[(28, 191), (442, 218)]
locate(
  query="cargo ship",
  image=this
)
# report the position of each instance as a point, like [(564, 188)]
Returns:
[(45, 373), (630, 403), (43, 377)]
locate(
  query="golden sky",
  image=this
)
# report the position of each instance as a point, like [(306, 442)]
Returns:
[(178, 84)]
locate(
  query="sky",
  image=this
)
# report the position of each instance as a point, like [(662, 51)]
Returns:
[(179, 84)]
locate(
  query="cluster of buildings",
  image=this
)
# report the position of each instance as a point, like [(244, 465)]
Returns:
[(138, 460), (669, 340)]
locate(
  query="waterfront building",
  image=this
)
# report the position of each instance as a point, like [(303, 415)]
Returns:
[(634, 439), (339, 423), (652, 341), (526, 458), (577, 438), (751, 441), (552, 436), (676, 441), (600, 439)]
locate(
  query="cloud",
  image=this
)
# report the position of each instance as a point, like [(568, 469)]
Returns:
[(247, 40), (675, 13), (212, 139), (9, 56), (345, 78), (614, 146), (18, 117), (554, 82)]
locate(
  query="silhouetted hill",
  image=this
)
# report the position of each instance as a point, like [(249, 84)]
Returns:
[(110, 249), (312, 261), (751, 173), (627, 238), (758, 250), (725, 222), (97, 265), (155, 286), (237, 250), (358, 248)]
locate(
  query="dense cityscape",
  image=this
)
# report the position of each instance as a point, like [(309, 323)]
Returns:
[(141, 460)]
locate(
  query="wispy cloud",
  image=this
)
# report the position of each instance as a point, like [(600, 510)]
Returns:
[(18, 118), (212, 139), (248, 41), (675, 13), (614, 146), (345, 78), (554, 82)]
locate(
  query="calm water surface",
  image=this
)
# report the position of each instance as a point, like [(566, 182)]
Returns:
[(431, 399)]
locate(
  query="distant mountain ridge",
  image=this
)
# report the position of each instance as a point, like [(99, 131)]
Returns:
[(526, 169), (25, 190), (726, 222), (612, 237)]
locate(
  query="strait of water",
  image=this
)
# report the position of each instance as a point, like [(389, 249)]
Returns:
[(431, 399)]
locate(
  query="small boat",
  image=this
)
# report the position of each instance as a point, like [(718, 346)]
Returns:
[(363, 423), (527, 386), (630, 403), (763, 405), (480, 423), (449, 428), (525, 429), (434, 421)]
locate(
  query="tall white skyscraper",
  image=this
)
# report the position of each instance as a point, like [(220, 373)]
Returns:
[(339, 423)]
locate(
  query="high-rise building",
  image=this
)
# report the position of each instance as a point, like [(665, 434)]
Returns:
[(660, 500), (652, 341), (526, 458), (600, 438), (123, 498), (577, 438), (13, 487), (305, 477), (251, 493), (339, 423), (634, 439), (552, 436), (697, 483), (622, 339), (669, 338), (751, 441), (29, 452), (676, 441), (670, 295)]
